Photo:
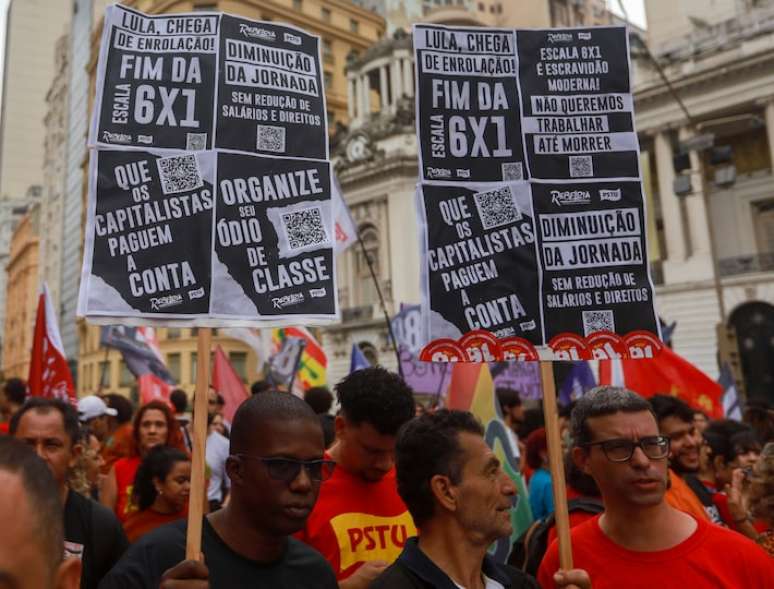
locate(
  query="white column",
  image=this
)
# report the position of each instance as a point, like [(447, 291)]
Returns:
[(670, 206), (769, 112), (696, 204), (397, 82), (408, 76), (351, 97), (366, 96), (383, 90), (358, 98)]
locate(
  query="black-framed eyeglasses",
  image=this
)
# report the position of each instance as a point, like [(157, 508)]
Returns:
[(287, 469), (622, 450)]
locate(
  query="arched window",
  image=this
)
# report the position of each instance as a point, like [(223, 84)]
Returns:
[(754, 324), (364, 282)]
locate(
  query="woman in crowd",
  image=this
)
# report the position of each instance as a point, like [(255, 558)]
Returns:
[(541, 498), (154, 425), (160, 491), (86, 476)]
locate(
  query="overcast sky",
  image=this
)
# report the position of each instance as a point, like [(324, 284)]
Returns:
[(634, 8)]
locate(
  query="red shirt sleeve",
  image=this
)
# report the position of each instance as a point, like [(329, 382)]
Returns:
[(549, 566)]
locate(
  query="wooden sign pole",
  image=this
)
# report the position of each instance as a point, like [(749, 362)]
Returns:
[(556, 464), (193, 546)]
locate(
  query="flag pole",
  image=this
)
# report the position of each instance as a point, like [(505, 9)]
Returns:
[(193, 544), (556, 464), (381, 302)]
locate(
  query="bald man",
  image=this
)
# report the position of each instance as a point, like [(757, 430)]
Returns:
[(276, 466), (31, 554)]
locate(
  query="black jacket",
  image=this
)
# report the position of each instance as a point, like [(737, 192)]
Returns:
[(414, 569)]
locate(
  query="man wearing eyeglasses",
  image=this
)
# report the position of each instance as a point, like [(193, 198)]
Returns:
[(276, 467), (360, 522), (640, 541)]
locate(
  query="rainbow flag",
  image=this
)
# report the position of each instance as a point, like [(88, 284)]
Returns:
[(312, 370), (472, 389)]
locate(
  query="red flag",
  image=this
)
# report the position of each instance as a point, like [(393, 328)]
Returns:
[(226, 381), (667, 374), (49, 373), (153, 388)]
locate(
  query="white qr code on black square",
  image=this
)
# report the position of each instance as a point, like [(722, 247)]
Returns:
[(581, 166), (179, 173), (512, 171), (304, 228), (271, 138), (594, 321), (497, 207)]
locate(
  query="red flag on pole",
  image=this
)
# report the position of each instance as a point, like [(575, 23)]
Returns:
[(151, 386), (49, 373), (668, 374), (226, 381)]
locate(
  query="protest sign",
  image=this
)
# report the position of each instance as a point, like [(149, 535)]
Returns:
[(578, 114), (479, 239), (270, 91), (156, 80), (148, 234), (210, 223), (552, 265), (273, 237), (467, 104)]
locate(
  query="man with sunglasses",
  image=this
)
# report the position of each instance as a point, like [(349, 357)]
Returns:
[(276, 467), (640, 541), (360, 522)]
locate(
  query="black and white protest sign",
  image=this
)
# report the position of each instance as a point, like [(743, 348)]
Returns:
[(577, 108), (273, 238), (467, 105), (148, 234), (593, 256), (479, 262), (271, 96), (156, 80)]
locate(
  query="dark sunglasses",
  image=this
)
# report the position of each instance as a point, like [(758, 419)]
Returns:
[(622, 450), (287, 469)]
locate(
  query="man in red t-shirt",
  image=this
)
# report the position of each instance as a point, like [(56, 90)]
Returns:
[(640, 541), (359, 522)]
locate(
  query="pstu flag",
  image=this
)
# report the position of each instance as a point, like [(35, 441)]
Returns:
[(313, 367), (49, 373), (357, 360)]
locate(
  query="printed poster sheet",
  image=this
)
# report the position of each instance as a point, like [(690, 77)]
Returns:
[(534, 240), (210, 185)]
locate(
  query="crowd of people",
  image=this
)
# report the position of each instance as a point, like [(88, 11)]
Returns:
[(370, 489)]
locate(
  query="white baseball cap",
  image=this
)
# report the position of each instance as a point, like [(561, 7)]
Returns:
[(92, 406)]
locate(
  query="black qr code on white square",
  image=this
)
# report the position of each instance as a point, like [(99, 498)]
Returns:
[(512, 171), (581, 166), (497, 207), (304, 228), (196, 141), (594, 321), (179, 173), (271, 138)]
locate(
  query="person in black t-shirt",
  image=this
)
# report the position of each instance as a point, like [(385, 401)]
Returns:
[(31, 555), (91, 532), (460, 499), (276, 466)]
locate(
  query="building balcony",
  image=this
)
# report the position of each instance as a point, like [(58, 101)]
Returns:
[(748, 264)]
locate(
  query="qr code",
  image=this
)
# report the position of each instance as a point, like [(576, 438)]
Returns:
[(497, 207), (304, 228), (179, 173), (271, 138), (512, 171), (594, 321), (196, 141), (581, 166)]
